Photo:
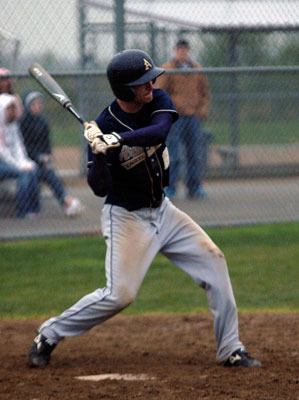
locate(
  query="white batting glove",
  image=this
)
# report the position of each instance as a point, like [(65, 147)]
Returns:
[(92, 131), (112, 139), (102, 143), (98, 147)]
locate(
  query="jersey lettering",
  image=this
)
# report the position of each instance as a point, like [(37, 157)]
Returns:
[(129, 157)]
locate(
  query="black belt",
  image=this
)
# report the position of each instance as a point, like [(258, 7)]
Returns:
[(157, 203), (130, 206)]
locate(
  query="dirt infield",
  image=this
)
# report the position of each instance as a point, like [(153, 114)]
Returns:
[(177, 351)]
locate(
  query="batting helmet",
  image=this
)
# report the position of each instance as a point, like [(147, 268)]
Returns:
[(130, 68)]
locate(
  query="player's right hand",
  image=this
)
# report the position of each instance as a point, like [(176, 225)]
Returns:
[(98, 146)]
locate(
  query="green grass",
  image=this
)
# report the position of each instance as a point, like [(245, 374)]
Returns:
[(69, 133), (258, 132), (43, 277)]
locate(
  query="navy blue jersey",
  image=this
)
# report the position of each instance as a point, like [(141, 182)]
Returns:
[(139, 168)]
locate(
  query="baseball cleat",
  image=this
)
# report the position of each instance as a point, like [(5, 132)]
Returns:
[(40, 352), (240, 358)]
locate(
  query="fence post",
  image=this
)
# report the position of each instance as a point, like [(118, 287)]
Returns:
[(153, 36), (81, 81), (233, 101), (119, 13)]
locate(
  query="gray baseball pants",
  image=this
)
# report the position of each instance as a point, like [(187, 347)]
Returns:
[(133, 239)]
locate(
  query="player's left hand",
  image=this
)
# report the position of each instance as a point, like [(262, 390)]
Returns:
[(112, 139), (93, 133)]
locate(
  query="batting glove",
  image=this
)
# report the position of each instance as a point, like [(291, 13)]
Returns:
[(92, 131), (98, 146), (112, 139)]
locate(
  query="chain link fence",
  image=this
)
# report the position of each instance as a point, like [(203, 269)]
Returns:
[(249, 53)]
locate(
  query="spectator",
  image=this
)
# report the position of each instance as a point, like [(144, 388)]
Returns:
[(7, 86), (191, 96), (36, 135), (14, 162)]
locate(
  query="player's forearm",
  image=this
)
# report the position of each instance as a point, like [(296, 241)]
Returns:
[(151, 135)]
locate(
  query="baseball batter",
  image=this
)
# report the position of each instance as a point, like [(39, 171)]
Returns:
[(129, 164)]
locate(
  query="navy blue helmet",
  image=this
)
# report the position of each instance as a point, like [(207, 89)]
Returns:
[(131, 68)]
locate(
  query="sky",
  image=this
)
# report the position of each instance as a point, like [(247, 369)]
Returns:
[(224, 12), (52, 25), (42, 25)]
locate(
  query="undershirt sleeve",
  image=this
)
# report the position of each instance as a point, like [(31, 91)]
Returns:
[(150, 135), (98, 174)]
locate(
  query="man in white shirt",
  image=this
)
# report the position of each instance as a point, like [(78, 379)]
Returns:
[(14, 162)]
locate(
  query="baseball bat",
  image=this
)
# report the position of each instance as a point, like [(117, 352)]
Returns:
[(53, 89)]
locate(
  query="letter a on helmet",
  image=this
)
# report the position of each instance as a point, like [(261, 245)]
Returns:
[(131, 68)]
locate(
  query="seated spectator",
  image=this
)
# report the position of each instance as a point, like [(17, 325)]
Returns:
[(36, 135), (7, 86), (14, 162)]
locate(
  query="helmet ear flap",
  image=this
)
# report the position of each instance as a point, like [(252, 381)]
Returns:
[(123, 92), (130, 94)]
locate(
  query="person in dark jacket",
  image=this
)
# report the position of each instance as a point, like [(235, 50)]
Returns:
[(36, 134)]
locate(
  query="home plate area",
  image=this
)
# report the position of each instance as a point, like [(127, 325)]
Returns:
[(116, 377), (153, 357)]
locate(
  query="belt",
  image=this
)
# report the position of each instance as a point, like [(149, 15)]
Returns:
[(157, 203), (132, 206)]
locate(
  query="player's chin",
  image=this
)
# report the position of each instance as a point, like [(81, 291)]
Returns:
[(148, 97)]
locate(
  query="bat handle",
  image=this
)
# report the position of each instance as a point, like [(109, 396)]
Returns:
[(74, 112)]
